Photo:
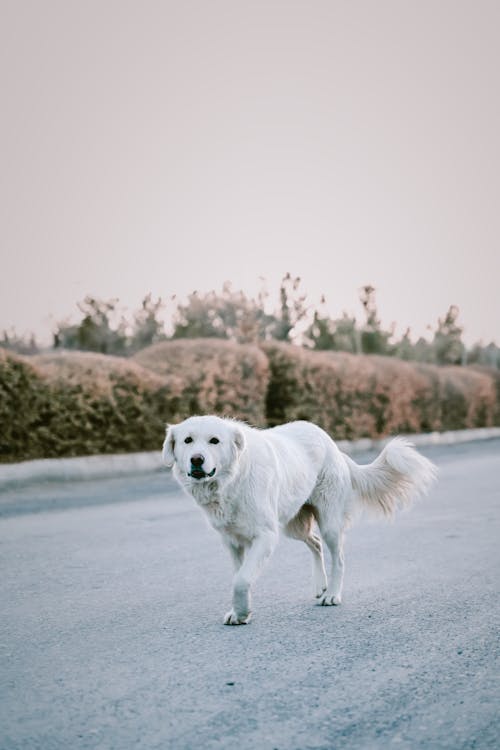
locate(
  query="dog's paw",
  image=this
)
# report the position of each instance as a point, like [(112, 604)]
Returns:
[(319, 591), (327, 600), (233, 619)]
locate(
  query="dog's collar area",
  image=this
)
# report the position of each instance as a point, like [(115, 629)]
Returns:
[(197, 473)]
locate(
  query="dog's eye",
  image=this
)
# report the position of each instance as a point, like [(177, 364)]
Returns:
[(188, 440), (214, 441)]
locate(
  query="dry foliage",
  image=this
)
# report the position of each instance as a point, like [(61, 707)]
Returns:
[(23, 397), (76, 403), (355, 396), (494, 374), (94, 372), (219, 377)]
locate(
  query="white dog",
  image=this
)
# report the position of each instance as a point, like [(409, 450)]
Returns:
[(251, 482)]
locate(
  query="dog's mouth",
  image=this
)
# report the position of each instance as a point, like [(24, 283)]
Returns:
[(198, 473)]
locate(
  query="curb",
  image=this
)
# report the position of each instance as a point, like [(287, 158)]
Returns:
[(423, 440), (129, 464), (79, 469)]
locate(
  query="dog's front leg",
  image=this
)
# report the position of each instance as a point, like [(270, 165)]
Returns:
[(256, 555), (237, 552)]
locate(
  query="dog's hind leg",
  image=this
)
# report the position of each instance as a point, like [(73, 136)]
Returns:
[(333, 535), (301, 527)]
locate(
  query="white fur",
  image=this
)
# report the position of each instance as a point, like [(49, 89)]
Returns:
[(289, 476)]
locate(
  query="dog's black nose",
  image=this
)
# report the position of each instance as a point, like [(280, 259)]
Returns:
[(197, 460)]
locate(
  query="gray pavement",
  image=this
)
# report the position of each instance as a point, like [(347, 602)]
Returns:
[(113, 593)]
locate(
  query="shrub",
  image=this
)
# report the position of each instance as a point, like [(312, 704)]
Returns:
[(22, 396), (493, 374), (217, 376), (76, 403), (72, 404), (370, 396)]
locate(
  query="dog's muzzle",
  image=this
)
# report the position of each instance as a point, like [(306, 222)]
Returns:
[(198, 473), (197, 470)]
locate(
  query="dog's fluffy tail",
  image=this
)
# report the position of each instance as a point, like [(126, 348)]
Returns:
[(396, 477)]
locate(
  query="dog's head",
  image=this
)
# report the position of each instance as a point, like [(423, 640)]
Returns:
[(203, 448)]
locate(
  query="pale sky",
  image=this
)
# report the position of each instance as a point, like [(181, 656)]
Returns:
[(169, 146)]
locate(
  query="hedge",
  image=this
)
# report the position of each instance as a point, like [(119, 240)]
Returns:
[(354, 396), (75, 403), (219, 377)]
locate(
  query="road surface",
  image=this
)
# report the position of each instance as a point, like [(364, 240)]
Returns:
[(112, 599)]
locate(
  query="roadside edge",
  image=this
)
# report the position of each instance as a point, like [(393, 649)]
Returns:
[(129, 464)]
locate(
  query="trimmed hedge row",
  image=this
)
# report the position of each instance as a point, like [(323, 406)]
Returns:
[(354, 396), (81, 403), (76, 403), (219, 377)]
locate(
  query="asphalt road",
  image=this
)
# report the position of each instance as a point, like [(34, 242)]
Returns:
[(111, 635)]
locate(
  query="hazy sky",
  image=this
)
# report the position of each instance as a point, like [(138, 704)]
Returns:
[(170, 146)]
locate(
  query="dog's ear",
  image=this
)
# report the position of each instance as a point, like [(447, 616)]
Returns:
[(239, 439), (168, 447)]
